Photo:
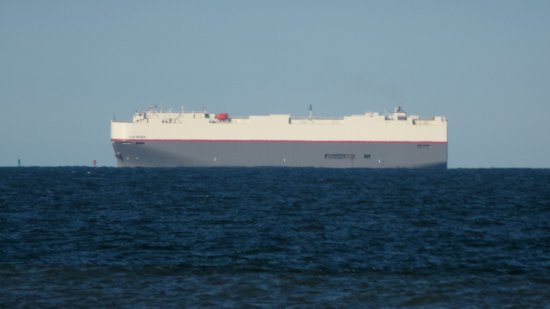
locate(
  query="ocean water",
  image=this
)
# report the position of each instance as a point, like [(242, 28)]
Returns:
[(274, 237)]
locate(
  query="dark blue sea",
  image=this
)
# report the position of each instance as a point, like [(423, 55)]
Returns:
[(274, 237)]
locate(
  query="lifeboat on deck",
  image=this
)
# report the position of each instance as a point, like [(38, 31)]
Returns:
[(222, 116)]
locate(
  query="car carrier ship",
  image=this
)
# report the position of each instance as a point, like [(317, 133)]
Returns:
[(169, 139)]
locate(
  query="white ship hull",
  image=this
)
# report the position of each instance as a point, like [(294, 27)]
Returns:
[(156, 139)]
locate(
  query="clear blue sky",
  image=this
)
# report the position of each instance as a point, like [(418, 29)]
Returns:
[(66, 67)]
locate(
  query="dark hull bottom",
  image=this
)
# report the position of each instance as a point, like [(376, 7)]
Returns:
[(292, 154)]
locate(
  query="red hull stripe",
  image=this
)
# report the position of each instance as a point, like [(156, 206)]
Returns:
[(269, 141)]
